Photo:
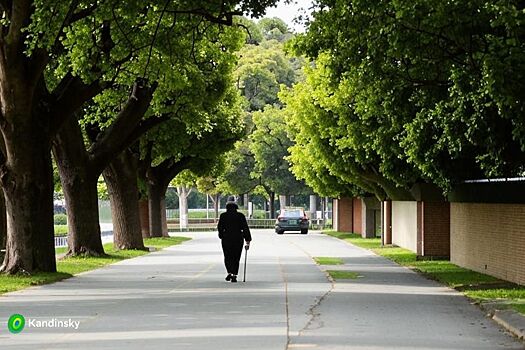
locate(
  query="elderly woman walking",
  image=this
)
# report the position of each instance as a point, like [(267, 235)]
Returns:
[(233, 232)]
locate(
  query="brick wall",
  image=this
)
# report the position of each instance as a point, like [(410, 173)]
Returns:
[(489, 238), (422, 227), (343, 214), (436, 229), (345, 209), (358, 215)]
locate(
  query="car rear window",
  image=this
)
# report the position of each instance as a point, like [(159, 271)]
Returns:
[(292, 213)]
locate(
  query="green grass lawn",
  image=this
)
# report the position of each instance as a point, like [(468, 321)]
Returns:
[(343, 275), (68, 267), (61, 250), (518, 307), (324, 260), (367, 243), (475, 285)]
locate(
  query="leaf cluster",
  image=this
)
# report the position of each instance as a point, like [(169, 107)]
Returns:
[(414, 91)]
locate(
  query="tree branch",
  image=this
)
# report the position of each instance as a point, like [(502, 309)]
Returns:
[(70, 94), (5, 7), (119, 27), (143, 127), (145, 163), (168, 169), (12, 58), (383, 186), (77, 16), (116, 137), (19, 17), (71, 17), (155, 36), (66, 22), (224, 18), (177, 167)]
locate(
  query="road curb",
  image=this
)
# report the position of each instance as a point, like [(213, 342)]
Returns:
[(511, 320)]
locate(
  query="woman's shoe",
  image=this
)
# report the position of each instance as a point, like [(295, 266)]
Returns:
[(229, 277), (234, 278)]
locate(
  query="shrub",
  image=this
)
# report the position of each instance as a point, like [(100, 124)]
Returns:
[(60, 230), (60, 219)]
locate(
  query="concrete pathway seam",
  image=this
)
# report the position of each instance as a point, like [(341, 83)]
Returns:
[(315, 316)]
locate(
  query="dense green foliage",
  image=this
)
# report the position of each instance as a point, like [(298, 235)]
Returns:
[(261, 70), (403, 92), (269, 143), (60, 219), (259, 162)]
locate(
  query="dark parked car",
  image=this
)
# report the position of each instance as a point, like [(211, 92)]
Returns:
[(292, 219)]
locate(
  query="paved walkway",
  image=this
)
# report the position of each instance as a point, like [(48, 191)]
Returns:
[(178, 299)]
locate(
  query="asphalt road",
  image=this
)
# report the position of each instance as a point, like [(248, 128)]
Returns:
[(177, 299)]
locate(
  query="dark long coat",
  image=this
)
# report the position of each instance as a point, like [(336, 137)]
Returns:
[(233, 231)]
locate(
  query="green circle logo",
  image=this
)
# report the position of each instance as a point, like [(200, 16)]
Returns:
[(16, 323)]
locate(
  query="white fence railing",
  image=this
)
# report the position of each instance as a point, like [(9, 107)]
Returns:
[(211, 224), (61, 241)]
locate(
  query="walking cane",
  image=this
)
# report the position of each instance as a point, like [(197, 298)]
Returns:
[(245, 259)]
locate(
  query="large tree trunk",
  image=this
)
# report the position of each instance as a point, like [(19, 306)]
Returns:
[(183, 192), (79, 183), (163, 218), (216, 204), (183, 211), (80, 168), (30, 115), (25, 152), (121, 179), (3, 222), (144, 218), (158, 179), (80, 192), (27, 180), (157, 205)]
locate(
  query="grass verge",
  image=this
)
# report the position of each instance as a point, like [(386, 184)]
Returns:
[(69, 267), (324, 260), (343, 275), (475, 285), (518, 307)]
